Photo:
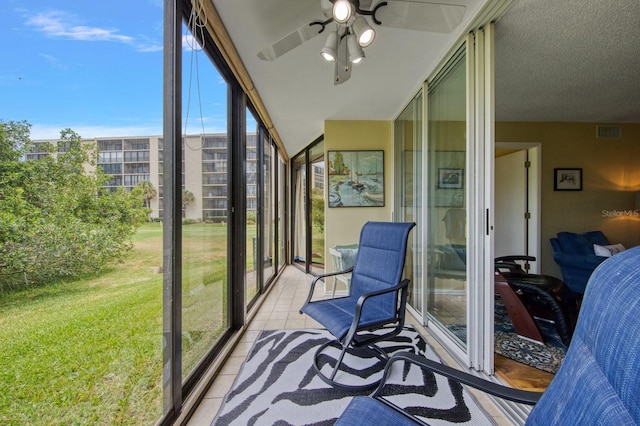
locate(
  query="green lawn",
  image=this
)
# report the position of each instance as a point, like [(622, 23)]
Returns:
[(90, 351)]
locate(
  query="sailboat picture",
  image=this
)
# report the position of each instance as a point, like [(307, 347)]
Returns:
[(356, 178)]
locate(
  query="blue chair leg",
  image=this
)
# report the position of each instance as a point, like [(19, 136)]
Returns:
[(373, 351)]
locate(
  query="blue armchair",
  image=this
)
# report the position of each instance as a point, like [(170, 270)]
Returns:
[(576, 258), (376, 301), (597, 384)]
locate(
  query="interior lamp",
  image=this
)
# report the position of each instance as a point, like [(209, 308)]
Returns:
[(329, 50), (342, 11), (364, 33)]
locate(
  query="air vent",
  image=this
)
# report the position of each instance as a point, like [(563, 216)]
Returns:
[(609, 132)]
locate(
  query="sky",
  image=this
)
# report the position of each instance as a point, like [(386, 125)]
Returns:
[(96, 67)]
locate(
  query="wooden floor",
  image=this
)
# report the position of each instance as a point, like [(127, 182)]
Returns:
[(521, 376)]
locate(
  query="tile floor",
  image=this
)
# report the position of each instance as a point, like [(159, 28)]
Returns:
[(280, 310)]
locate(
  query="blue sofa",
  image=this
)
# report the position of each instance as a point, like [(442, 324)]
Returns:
[(575, 255)]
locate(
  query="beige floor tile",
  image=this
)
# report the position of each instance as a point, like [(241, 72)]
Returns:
[(295, 324), (220, 386), (257, 325), (242, 349), (232, 365), (278, 315), (249, 336), (206, 412), (275, 324)]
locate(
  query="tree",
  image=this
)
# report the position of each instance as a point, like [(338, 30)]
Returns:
[(317, 208), (56, 220), (148, 193), (187, 199), (14, 138)]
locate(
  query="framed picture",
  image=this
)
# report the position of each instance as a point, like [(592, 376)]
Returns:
[(450, 178), (567, 179), (447, 174), (355, 178)]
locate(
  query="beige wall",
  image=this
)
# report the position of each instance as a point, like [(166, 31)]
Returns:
[(344, 223), (611, 178)]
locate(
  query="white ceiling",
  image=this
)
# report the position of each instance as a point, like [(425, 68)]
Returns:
[(556, 60)]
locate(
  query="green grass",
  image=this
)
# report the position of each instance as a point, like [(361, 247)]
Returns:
[(204, 283), (90, 351), (317, 245)]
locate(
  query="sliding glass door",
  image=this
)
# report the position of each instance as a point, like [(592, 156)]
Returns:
[(407, 132), (268, 212), (447, 200), (308, 208), (316, 179), (443, 176), (299, 219), (252, 223)]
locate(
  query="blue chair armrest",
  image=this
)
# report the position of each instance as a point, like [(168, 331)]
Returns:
[(374, 409), (404, 284), (363, 298), (504, 392), (319, 277)]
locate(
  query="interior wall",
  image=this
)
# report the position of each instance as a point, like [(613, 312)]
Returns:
[(610, 181), (344, 223)]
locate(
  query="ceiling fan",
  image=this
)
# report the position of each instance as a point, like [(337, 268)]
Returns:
[(353, 32)]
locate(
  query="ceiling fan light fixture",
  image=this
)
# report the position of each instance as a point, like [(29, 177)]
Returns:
[(329, 51), (364, 33), (356, 54), (342, 11)]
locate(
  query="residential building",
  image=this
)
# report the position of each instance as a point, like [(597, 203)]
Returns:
[(129, 160)]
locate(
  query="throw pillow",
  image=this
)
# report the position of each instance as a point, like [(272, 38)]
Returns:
[(608, 250)]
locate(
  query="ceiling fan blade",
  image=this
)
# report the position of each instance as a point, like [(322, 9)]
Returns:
[(414, 15), (289, 42), (343, 65)]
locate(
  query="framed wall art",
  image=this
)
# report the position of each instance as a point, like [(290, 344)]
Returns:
[(447, 177), (355, 178), (450, 178), (565, 179)]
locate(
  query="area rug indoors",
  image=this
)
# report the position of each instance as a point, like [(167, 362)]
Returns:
[(546, 357), (278, 385)]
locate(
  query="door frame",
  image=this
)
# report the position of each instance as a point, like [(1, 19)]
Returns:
[(534, 183)]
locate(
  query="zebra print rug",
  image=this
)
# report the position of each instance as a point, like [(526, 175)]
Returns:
[(278, 385)]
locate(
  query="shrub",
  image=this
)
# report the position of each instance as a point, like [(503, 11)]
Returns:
[(251, 217), (56, 221)]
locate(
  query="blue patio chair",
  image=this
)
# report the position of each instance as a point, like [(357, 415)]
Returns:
[(598, 382), (377, 298)]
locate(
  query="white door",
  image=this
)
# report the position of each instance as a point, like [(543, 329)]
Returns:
[(510, 204), (517, 202)]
